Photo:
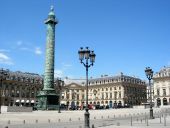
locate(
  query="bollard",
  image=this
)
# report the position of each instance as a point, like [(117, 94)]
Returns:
[(92, 126), (160, 119), (94, 117), (131, 120), (36, 121), (164, 120), (79, 118), (48, 120), (108, 117), (6, 127), (147, 122), (59, 120), (23, 121), (9, 122), (118, 124), (145, 117), (70, 119)]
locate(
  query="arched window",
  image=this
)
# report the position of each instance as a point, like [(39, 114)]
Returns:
[(165, 101), (158, 102)]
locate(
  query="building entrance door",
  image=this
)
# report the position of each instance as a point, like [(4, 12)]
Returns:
[(110, 104)]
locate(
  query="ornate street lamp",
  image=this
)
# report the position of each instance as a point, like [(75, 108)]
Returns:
[(60, 86), (149, 75), (87, 55), (3, 75)]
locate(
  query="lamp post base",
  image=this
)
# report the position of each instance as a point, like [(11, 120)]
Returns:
[(151, 114), (86, 119), (59, 111)]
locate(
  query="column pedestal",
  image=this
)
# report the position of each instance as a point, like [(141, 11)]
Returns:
[(48, 100)]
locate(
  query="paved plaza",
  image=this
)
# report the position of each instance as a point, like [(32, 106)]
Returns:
[(112, 118)]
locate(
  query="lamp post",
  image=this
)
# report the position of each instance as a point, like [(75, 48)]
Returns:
[(60, 85), (3, 75), (149, 75), (87, 55)]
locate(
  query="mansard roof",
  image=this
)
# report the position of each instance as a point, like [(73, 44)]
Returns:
[(117, 77), (164, 72)]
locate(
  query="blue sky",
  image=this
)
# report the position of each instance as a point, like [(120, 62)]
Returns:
[(126, 35)]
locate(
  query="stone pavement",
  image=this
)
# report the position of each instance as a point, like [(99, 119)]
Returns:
[(112, 118)]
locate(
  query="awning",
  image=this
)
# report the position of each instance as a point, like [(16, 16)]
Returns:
[(32, 101), (17, 100), (22, 101), (27, 101)]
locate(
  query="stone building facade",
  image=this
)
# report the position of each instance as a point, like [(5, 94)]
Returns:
[(148, 93), (120, 90), (162, 87), (20, 88)]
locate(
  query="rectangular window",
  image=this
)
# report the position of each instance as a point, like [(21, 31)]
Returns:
[(67, 96), (158, 93), (110, 95), (73, 96), (106, 95), (102, 95), (115, 95), (164, 92), (77, 96), (83, 97), (119, 94)]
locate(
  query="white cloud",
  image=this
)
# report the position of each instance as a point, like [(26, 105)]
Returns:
[(4, 59), (4, 50), (25, 49), (58, 73), (38, 51), (19, 43), (66, 66)]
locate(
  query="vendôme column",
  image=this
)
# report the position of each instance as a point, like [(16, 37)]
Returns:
[(50, 50), (47, 98)]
